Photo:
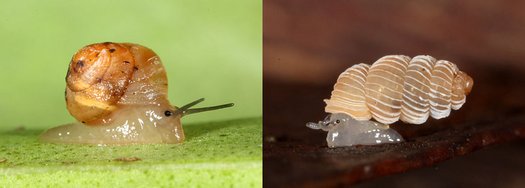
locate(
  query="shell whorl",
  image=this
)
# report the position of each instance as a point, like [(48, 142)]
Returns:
[(397, 87), (103, 76)]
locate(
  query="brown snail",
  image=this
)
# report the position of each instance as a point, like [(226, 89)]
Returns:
[(118, 94), (395, 87)]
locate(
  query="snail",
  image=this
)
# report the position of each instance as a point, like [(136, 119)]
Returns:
[(394, 88), (118, 94)]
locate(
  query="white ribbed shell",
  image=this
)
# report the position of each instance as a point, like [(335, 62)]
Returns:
[(397, 87)]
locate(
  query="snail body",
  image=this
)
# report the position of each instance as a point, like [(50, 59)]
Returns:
[(398, 87), (118, 94), (343, 130)]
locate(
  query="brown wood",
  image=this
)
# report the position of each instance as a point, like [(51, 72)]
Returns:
[(295, 155)]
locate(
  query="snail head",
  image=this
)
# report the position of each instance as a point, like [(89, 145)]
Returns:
[(329, 122)]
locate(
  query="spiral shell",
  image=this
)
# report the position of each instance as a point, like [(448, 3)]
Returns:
[(103, 76), (398, 87)]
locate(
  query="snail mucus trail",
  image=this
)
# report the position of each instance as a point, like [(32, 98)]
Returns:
[(395, 87), (118, 94)]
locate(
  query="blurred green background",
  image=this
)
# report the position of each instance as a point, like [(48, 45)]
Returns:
[(211, 49)]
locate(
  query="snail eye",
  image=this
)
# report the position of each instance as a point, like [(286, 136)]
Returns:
[(337, 121), (168, 113)]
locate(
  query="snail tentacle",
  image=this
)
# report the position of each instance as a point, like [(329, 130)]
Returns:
[(185, 110), (205, 109)]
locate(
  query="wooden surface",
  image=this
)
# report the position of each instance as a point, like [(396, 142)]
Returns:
[(295, 155)]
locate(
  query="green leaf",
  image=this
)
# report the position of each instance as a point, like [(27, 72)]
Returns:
[(215, 154)]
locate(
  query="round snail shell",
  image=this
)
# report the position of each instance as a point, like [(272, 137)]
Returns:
[(104, 76), (118, 94), (397, 87)]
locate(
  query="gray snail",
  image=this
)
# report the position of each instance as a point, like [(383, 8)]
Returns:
[(393, 88), (118, 94)]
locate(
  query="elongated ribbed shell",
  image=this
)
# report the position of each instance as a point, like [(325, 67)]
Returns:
[(397, 87)]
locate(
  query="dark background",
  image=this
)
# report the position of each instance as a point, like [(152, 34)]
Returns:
[(307, 44)]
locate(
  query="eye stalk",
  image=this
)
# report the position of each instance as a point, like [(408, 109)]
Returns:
[(185, 110)]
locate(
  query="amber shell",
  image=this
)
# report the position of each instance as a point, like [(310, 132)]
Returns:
[(103, 76)]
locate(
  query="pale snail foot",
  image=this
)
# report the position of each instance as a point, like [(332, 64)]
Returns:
[(343, 130), (78, 133), (132, 125)]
